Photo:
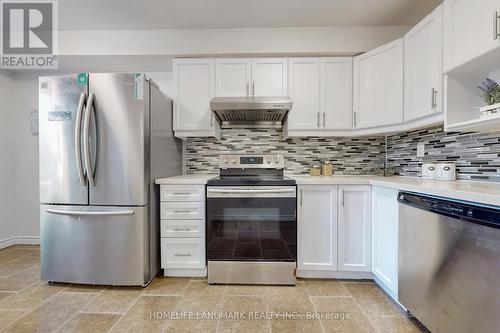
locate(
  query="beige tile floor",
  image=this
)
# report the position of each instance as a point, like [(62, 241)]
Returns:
[(30, 305)]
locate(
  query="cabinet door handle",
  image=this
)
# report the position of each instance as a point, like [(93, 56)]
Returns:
[(301, 195), (253, 88), (433, 99), (211, 120), (324, 119), (318, 122), (182, 254), (354, 119), (496, 17), (248, 88), (182, 229), (343, 198)]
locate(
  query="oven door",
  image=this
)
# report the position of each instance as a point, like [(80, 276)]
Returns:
[(252, 223)]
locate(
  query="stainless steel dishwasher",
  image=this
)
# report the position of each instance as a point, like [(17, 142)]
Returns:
[(449, 263)]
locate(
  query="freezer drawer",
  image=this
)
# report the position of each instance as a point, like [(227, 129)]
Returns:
[(183, 253), (95, 245)]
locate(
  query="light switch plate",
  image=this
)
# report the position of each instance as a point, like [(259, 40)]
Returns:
[(421, 150)]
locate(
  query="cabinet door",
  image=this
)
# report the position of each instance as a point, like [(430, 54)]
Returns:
[(195, 87), (471, 29), (385, 237), (423, 67), (233, 77), (354, 240), (317, 227), (304, 88), (336, 93), (378, 86), (270, 77)]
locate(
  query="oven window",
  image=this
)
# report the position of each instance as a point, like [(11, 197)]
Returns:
[(251, 229)]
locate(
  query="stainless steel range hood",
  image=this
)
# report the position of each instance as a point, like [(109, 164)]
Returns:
[(251, 112)]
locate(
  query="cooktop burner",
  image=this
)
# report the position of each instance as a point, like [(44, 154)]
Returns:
[(251, 170)]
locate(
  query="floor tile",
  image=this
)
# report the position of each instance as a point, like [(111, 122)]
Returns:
[(113, 300), (5, 294), (167, 286), (199, 304), (84, 288), (290, 303), (31, 297), (191, 326), (7, 317), (341, 314), (246, 290), (243, 326), (326, 288), (89, 323), (299, 289), (204, 289), (393, 324), (141, 317), (372, 300), (244, 304), (52, 314), (14, 266), (21, 280), (296, 326)]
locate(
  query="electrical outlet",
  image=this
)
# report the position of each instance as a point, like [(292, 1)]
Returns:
[(421, 150)]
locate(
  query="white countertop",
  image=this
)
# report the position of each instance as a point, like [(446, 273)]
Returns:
[(479, 192)]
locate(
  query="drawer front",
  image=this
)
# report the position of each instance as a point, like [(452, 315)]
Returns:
[(182, 193), (183, 228), (182, 210), (183, 253)]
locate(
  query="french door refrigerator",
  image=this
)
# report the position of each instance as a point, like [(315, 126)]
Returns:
[(104, 138)]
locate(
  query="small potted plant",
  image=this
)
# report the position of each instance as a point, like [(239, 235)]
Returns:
[(490, 92)]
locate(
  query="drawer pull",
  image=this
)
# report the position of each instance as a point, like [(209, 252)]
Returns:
[(182, 193), (182, 229), (182, 254), (183, 212)]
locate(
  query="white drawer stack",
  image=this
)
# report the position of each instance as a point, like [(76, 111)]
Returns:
[(182, 213)]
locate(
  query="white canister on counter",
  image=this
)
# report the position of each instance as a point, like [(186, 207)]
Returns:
[(446, 171), (429, 171)]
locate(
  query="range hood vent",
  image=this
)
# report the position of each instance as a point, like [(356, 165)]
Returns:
[(251, 112)]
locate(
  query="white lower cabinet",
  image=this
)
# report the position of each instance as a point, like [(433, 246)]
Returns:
[(182, 214), (385, 238), (317, 228), (334, 235), (354, 241)]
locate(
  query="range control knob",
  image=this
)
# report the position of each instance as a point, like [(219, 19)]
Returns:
[(277, 159), (234, 160)]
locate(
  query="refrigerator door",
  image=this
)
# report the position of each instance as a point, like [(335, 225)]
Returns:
[(95, 245), (62, 179), (121, 162)]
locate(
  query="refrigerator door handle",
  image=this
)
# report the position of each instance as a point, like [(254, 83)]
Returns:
[(88, 213), (78, 139), (86, 139)]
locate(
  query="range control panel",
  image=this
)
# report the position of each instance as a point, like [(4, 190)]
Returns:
[(267, 161)]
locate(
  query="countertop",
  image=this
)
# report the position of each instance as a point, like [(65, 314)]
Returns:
[(472, 191)]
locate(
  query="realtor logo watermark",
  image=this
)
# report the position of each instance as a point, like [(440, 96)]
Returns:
[(29, 36)]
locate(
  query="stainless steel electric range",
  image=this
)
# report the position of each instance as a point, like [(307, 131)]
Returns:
[(251, 222)]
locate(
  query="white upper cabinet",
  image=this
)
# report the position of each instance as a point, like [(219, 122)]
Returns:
[(354, 228), (269, 77), (195, 86), (304, 88), (385, 237), (378, 86), (233, 77), (423, 67), (317, 228), (336, 93), (471, 29)]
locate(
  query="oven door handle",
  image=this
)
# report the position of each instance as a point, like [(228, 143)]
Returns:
[(221, 191)]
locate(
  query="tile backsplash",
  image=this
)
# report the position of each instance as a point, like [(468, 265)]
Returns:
[(477, 155), (352, 156)]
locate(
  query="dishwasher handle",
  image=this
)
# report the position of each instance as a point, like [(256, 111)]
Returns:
[(470, 212)]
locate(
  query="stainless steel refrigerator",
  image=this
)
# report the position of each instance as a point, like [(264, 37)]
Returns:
[(104, 138)]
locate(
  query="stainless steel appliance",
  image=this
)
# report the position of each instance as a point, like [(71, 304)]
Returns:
[(251, 222), (251, 112), (104, 138), (449, 263)]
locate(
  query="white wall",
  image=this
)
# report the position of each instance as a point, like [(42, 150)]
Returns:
[(196, 42)]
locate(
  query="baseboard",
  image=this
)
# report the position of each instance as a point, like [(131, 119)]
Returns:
[(310, 274), (21, 240)]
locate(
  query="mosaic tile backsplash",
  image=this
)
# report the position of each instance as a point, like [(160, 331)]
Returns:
[(477, 155), (352, 156)]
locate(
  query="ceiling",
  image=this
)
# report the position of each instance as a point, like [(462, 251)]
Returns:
[(212, 14)]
